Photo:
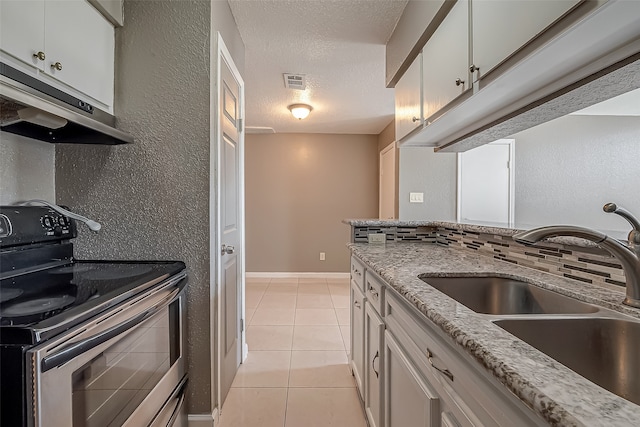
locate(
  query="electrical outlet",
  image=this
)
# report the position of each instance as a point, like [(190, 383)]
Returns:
[(322, 256), (377, 238), (416, 197)]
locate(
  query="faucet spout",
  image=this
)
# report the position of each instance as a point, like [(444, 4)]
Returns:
[(628, 257), (634, 234)]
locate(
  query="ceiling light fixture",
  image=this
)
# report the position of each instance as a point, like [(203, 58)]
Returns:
[(300, 111)]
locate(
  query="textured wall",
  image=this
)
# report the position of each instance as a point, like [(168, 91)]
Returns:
[(387, 136), (435, 175), (27, 169), (152, 196), (299, 187), (567, 169)]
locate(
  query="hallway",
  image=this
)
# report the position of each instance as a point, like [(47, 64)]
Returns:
[(296, 373)]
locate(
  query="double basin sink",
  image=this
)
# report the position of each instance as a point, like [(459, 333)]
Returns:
[(604, 350)]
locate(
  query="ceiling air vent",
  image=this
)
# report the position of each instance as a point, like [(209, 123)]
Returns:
[(295, 81)]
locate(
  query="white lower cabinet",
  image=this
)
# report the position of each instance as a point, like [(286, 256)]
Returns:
[(374, 359), (357, 335), (409, 401), (411, 374)]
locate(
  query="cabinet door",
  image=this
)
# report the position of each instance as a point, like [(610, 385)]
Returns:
[(22, 30), (445, 60), (374, 359), (357, 335), (409, 400), (408, 95), (82, 41), (501, 27)]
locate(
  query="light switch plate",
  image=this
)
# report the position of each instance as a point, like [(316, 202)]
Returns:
[(377, 238), (416, 197)]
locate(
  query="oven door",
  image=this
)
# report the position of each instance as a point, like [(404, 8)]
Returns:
[(120, 369)]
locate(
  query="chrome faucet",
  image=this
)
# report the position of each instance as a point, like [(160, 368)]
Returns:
[(628, 255)]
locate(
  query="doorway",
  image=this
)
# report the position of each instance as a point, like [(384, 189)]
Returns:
[(486, 184), (227, 210), (388, 194)]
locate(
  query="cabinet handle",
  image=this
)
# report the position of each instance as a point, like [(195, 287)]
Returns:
[(39, 55), (373, 364), (445, 372), (356, 271), (473, 68), (415, 119), (373, 292), (57, 66), (459, 82), (357, 304)]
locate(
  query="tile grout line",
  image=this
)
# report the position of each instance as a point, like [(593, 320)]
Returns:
[(286, 398)]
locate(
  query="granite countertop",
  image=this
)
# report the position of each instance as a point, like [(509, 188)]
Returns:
[(558, 394)]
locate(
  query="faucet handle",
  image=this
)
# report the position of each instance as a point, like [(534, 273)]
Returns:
[(634, 234)]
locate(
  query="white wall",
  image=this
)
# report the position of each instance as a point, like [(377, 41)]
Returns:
[(27, 169), (567, 169), (434, 174)]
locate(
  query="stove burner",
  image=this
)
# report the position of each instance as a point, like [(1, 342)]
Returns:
[(9, 294), (37, 306)]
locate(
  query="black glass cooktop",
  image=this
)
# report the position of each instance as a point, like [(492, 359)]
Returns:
[(42, 300)]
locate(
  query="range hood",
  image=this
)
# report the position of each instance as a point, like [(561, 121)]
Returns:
[(34, 109)]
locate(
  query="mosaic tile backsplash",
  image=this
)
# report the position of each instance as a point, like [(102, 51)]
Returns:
[(584, 264), (396, 234)]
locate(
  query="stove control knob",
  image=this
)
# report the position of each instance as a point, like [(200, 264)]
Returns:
[(63, 221), (57, 231), (47, 222)]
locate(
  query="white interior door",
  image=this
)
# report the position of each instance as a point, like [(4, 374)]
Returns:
[(485, 184), (230, 210), (388, 182)]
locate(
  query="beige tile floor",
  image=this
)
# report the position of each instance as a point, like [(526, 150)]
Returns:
[(296, 373)]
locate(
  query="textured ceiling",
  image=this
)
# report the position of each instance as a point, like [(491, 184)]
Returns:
[(338, 45)]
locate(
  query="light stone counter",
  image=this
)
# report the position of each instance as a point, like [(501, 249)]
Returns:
[(558, 394)]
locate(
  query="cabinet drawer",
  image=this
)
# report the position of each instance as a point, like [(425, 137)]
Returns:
[(357, 272), (374, 292)]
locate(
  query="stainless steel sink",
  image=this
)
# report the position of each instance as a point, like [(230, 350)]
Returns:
[(497, 295), (605, 351)]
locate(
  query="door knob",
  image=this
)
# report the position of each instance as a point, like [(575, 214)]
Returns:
[(459, 82), (227, 249), (57, 66), (40, 55)]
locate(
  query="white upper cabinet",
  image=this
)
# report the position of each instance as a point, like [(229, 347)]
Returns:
[(69, 41), (79, 38), (445, 60), (22, 31), (501, 27), (408, 95)]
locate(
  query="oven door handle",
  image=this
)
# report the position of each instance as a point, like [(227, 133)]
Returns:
[(80, 347), (74, 350)]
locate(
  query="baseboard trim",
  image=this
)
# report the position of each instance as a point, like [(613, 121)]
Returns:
[(284, 275), (203, 420)]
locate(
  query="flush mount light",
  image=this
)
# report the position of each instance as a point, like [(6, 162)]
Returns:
[(300, 111)]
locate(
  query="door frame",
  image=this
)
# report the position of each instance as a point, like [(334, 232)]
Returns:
[(389, 148), (512, 198), (215, 300)]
